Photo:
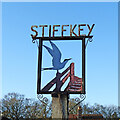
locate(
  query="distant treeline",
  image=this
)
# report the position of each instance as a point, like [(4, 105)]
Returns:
[(16, 107)]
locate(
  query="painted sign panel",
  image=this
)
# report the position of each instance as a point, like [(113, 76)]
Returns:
[(61, 65), (63, 78)]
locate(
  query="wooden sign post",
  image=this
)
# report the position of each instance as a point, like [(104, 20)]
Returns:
[(60, 106)]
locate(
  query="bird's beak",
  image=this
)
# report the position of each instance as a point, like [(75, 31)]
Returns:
[(69, 58)]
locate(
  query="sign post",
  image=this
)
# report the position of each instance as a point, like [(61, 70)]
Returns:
[(60, 106), (76, 85)]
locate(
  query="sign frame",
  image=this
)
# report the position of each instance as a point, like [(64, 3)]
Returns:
[(41, 39)]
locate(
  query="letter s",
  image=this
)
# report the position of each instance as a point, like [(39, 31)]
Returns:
[(34, 31)]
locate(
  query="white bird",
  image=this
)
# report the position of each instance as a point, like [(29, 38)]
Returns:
[(56, 58)]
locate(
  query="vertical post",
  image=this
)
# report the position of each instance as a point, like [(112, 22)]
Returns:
[(58, 75), (39, 66), (60, 106), (83, 65), (72, 71), (80, 112)]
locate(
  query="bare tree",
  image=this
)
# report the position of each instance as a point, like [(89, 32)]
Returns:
[(13, 106), (110, 111), (16, 106)]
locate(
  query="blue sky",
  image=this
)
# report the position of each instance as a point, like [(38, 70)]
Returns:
[(19, 54)]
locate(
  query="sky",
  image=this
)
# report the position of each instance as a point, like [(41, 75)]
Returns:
[(60, 1), (19, 54)]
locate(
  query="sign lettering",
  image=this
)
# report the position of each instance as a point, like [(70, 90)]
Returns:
[(55, 29)]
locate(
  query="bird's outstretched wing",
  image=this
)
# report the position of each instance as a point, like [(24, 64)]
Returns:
[(49, 50), (56, 52)]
